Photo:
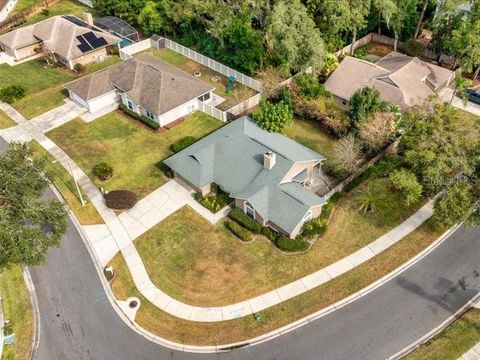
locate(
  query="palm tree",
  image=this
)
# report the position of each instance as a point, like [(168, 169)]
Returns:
[(371, 200)]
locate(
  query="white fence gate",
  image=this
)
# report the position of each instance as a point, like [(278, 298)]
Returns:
[(212, 111), (127, 52)]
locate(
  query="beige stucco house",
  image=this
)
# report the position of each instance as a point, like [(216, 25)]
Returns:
[(63, 39), (267, 174), (402, 80)]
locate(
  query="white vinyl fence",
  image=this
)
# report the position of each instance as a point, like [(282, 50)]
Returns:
[(210, 63), (212, 111), (127, 52), (158, 42)]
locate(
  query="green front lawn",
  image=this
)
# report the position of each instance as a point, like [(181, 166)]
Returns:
[(5, 121), (63, 181), (131, 149), (311, 134), (187, 332), (17, 308), (44, 85), (239, 93), (202, 264), (452, 342), (64, 7)]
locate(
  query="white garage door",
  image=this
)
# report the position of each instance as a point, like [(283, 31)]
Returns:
[(102, 102)]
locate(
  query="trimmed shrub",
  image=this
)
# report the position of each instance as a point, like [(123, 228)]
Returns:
[(292, 245), (182, 143), (149, 122), (240, 232), (164, 169), (316, 227), (216, 200), (12, 93), (120, 199), (103, 171), (79, 68), (246, 221), (269, 233)]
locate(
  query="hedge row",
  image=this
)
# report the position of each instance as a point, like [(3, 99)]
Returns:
[(283, 242), (149, 122), (246, 221), (292, 245), (182, 143), (239, 231)]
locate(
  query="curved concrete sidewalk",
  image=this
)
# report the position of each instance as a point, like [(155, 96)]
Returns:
[(121, 240)]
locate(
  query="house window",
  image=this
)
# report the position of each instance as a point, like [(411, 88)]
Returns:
[(344, 102), (307, 217), (249, 210), (149, 115), (129, 105), (204, 97)]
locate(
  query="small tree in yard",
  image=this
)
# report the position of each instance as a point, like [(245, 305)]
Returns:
[(103, 171), (371, 200), (79, 68), (28, 225), (346, 156), (455, 205), (12, 93), (364, 102), (376, 131), (273, 117), (406, 182)]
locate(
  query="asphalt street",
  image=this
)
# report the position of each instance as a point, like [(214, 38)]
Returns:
[(78, 322)]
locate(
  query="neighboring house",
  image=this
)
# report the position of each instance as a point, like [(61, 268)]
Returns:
[(146, 85), (64, 39), (6, 7), (401, 79), (266, 173)]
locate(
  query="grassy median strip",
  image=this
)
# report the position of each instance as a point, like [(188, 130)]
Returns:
[(5, 121), (169, 327), (17, 309), (63, 181), (452, 342)]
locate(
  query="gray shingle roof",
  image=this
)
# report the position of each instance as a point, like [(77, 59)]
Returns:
[(149, 81), (232, 157)]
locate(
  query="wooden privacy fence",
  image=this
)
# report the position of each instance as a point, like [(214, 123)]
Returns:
[(386, 40), (22, 17)]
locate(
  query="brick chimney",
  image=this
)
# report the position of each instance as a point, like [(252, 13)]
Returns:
[(269, 160), (88, 18)]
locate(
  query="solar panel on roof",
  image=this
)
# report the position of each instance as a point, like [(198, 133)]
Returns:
[(94, 41), (84, 45)]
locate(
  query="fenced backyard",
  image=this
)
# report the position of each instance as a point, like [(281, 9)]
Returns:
[(230, 113)]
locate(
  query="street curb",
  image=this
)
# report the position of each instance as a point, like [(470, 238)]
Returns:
[(427, 337), (35, 312), (262, 338)]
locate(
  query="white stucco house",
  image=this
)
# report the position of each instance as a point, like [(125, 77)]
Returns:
[(146, 85)]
